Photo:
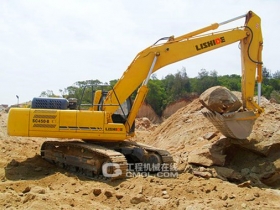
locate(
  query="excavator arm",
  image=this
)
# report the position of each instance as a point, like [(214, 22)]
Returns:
[(192, 44)]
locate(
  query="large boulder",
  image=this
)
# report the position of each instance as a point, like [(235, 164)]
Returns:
[(220, 99)]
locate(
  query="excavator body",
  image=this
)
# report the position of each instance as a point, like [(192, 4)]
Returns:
[(96, 141)]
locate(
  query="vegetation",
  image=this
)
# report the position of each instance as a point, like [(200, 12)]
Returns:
[(174, 87)]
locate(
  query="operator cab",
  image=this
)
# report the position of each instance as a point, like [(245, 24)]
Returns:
[(92, 98), (121, 114)]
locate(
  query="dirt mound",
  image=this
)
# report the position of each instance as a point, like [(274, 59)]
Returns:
[(194, 141), (28, 182)]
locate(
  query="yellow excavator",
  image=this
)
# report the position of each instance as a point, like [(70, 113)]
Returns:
[(90, 139)]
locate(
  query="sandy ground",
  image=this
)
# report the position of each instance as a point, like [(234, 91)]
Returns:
[(28, 182)]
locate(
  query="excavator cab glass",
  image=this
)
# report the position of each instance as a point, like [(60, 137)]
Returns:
[(93, 97), (121, 114)]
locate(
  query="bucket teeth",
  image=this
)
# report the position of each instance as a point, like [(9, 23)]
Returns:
[(237, 125)]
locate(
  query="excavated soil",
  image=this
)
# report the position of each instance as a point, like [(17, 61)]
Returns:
[(214, 172)]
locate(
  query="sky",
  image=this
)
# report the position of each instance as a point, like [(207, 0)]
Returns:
[(51, 44)]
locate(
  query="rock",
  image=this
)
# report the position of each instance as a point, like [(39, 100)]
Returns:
[(146, 122), (206, 157), (255, 179), (38, 190), (255, 169), (245, 171), (38, 169), (97, 191), (207, 190), (277, 164), (26, 190), (209, 135), (243, 205), (190, 177), (249, 197), (223, 196), (139, 190), (137, 199), (262, 142), (166, 196), (206, 174), (119, 196), (210, 188), (188, 120), (256, 194), (228, 173), (232, 196), (202, 169), (108, 194), (269, 168), (245, 184), (270, 178), (181, 168), (28, 197), (220, 99)]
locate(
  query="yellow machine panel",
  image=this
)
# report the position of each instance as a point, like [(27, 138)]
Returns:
[(43, 119), (90, 121), (18, 122), (68, 121), (63, 124)]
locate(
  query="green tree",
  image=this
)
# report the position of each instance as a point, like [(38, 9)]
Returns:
[(156, 96), (276, 96), (274, 83), (276, 75), (204, 80), (266, 90), (232, 82), (113, 82), (48, 93), (266, 75), (177, 86), (82, 90), (266, 87), (182, 84)]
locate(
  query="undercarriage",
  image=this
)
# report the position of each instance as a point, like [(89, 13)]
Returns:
[(109, 160)]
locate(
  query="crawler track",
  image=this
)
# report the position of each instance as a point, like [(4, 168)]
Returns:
[(88, 158), (83, 157)]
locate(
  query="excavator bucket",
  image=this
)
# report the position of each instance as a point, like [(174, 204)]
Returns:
[(238, 125)]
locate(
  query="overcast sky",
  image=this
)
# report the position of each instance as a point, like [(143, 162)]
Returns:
[(51, 44)]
